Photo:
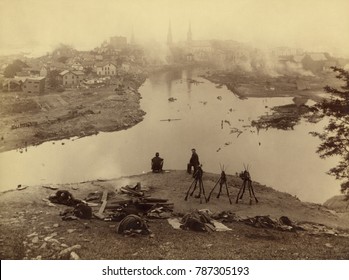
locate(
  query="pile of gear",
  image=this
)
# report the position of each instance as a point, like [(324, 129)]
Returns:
[(197, 221), (131, 207), (283, 223), (80, 208), (133, 225)]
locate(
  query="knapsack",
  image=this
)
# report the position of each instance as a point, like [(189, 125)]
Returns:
[(133, 223), (83, 211)]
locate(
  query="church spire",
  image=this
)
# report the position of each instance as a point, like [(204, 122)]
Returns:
[(169, 34), (189, 35), (132, 37)]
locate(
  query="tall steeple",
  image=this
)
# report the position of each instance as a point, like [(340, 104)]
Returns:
[(189, 35), (169, 34), (132, 41)]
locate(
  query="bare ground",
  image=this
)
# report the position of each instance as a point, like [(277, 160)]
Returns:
[(251, 84), (27, 120), (32, 229)]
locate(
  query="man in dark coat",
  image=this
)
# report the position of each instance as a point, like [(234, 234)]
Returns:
[(157, 163), (193, 162)]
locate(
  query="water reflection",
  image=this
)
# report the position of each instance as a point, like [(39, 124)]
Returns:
[(285, 160)]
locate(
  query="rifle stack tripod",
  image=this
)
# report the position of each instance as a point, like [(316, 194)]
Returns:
[(197, 181), (222, 181), (247, 182)]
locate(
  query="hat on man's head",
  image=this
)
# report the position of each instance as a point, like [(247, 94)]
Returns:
[(193, 150), (157, 154)]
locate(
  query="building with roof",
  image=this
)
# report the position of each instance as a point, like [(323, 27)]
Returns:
[(70, 78), (106, 69), (315, 62), (77, 66), (13, 84), (34, 85)]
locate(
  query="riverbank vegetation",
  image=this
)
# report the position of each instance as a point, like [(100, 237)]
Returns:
[(335, 136)]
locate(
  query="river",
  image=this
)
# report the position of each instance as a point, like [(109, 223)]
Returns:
[(284, 160)]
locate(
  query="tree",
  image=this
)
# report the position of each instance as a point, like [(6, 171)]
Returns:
[(62, 59), (335, 138), (52, 78), (16, 66), (88, 70)]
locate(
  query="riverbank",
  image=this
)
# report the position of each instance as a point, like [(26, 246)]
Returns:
[(32, 120), (299, 88), (253, 84), (31, 228)]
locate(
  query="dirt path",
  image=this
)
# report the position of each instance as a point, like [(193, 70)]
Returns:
[(31, 228)]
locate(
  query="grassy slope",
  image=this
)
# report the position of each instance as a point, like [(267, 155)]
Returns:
[(25, 220)]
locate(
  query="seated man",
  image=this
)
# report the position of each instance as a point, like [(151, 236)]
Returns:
[(157, 163)]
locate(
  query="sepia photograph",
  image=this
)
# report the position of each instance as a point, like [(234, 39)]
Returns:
[(174, 130)]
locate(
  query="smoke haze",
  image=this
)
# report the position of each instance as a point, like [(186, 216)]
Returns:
[(39, 25)]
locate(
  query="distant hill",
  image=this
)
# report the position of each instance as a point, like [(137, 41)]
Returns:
[(338, 203)]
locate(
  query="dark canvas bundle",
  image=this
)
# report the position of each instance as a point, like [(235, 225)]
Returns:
[(197, 221), (64, 197), (132, 224), (83, 211)]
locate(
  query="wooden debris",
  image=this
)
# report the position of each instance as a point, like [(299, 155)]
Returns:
[(168, 120), (104, 204), (50, 187)]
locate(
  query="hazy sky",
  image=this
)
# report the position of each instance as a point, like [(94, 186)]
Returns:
[(40, 25)]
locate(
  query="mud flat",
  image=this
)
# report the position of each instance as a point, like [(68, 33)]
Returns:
[(32, 120), (246, 85), (284, 117)]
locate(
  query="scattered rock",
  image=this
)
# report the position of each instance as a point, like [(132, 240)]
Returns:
[(74, 256), (64, 254), (43, 246), (47, 238), (56, 225), (328, 245), (71, 230), (32, 234), (35, 239), (52, 240), (20, 187), (50, 187)]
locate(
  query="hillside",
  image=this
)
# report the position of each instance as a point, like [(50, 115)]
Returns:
[(32, 228)]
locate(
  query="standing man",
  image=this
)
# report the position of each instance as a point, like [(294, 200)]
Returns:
[(193, 162), (157, 163)]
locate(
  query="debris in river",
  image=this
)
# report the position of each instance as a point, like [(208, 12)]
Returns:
[(235, 130), (169, 120)]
